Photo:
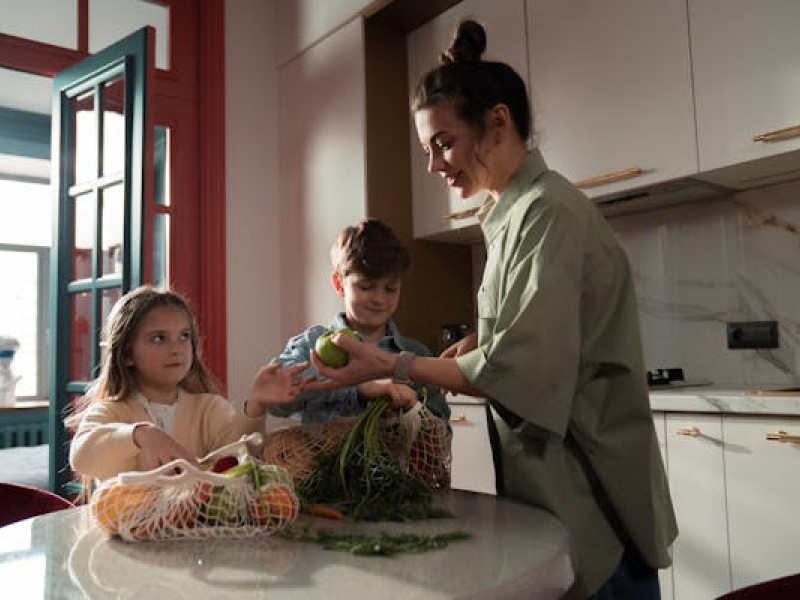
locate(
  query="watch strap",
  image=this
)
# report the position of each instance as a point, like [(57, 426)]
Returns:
[(402, 366)]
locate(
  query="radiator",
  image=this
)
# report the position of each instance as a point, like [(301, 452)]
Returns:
[(30, 430)]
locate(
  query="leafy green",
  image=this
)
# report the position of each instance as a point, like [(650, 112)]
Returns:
[(382, 544)]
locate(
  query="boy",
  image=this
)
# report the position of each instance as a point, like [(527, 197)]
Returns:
[(369, 264)]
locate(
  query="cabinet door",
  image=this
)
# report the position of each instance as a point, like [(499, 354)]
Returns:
[(697, 483), (472, 465), (763, 495), (664, 575), (504, 21), (746, 60), (612, 90)]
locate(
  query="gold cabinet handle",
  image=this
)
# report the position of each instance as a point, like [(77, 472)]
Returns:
[(690, 431), (458, 420), (778, 135), (462, 214), (609, 178), (783, 437)]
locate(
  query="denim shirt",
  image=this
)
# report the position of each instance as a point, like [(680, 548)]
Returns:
[(321, 406)]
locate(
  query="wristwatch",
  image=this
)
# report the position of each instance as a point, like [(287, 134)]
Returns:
[(402, 366)]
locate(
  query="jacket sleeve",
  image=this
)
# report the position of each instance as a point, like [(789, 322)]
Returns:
[(313, 405), (223, 423), (103, 444)]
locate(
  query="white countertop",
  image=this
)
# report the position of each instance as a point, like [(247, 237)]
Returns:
[(517, 551), (769, 399)]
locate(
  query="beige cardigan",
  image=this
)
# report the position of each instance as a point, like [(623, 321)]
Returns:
[(103, 445)]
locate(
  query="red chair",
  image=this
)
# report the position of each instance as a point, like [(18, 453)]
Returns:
[(783, 588), (18, 502)]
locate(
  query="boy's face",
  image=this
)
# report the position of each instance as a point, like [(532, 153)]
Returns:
[(369, 303)]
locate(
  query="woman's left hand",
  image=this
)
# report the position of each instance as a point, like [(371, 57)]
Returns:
[(366, 362)]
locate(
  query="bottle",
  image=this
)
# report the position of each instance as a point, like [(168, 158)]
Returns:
[(8, 379)]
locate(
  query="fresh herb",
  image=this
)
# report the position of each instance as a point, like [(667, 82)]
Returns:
[(363, 479), (382, 544)]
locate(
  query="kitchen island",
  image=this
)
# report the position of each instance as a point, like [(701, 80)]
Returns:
[(516, 551)]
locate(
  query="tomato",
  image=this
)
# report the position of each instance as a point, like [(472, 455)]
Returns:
[(224, 463), (329, 353)]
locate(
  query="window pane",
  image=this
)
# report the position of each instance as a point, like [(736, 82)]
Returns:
[(83, 240), (85, 138), (108, 298), (111, 233), (27, 20), (80, 351), (161, 249), (114, 126), (31, 226), (112, 20), (19, 315), (161, 163)]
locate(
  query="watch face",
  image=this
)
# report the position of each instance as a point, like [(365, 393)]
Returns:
[(402, 366)]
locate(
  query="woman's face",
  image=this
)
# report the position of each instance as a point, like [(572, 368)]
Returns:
[(455, 151)]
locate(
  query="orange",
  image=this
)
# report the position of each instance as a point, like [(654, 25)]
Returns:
[(277, 505), (114, 504)]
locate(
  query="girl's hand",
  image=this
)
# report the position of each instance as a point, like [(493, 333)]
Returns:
[(462, 346), (402, 395), (366, 362), (275, 384), (157, 447)]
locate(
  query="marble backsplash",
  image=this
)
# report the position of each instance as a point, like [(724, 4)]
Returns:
[(699, 266)]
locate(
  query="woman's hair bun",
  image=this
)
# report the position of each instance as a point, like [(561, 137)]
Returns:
[(468, 45)]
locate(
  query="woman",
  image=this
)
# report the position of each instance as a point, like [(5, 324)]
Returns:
[(557, 350)]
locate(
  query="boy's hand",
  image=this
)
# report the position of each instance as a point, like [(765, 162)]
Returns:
[(157, 446), (275, 384), (402, 395), (462, 346)]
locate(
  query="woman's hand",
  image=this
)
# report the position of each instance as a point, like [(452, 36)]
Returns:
[(462, 346), (157, 447), (402, 395), (275, 384), (366, 362)]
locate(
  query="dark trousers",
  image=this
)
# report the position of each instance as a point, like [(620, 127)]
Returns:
[(633, 580)]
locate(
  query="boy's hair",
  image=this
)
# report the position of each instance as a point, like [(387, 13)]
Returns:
[(370, 248), (116, 380)]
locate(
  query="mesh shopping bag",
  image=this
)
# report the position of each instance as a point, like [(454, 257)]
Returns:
[(179, 500), (418, 440)]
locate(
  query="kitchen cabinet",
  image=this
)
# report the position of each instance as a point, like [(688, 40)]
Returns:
[(763, 493), (612, 91), (472, 466), (697, 483), (735, 493), (746, 61), (664, 575), (439, 213)]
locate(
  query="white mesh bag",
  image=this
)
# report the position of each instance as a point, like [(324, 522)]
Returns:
[(418, 440), (179, 500)]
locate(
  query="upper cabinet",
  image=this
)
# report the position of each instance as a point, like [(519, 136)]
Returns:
[(437, 212), (612, 91), (746, 62)]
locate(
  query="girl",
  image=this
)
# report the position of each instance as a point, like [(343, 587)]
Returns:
[(557, 351), (154, 401)]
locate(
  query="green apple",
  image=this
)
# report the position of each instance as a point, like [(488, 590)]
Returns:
[(329, 353)]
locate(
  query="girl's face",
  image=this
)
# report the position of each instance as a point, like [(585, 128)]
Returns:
[(162, 352), (369, 303), (454, 150)]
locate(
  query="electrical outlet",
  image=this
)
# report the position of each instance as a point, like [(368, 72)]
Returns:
[(752, 334)]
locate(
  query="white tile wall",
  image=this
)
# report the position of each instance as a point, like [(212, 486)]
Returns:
[(699, 266)]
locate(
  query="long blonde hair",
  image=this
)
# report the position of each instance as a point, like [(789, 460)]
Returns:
[(116, 380)]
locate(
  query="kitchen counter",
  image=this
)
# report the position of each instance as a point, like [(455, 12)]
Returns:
[(755, 399), (517, 551)]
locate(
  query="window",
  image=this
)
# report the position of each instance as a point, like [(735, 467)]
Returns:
[(25, 232)]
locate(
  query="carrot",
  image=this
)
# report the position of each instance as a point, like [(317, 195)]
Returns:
[(328, 512)]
